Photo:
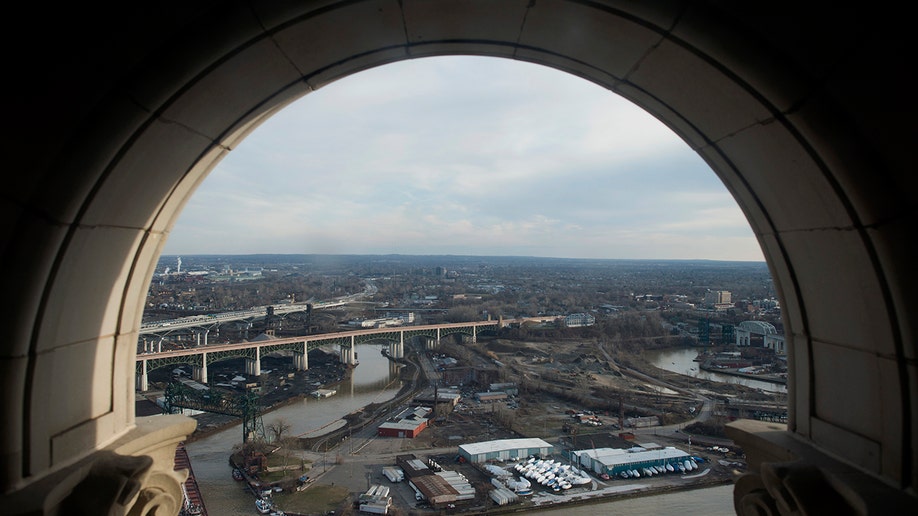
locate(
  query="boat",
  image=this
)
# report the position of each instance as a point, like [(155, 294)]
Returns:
[(263, 506), (237, 474), (670, 468), (580, 480)]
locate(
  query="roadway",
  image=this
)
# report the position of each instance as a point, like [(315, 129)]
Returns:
[(252, 313)]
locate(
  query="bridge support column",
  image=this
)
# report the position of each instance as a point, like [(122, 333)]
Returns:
[(159, 345), (300, 361), (200, 373), (438, 337), (348, 354), (352, 355), (474, 334), (397, 350), (143, 379), (253, 365)]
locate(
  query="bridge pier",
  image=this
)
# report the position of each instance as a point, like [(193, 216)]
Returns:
[(397, 349), (348, 354), (200, 373), (253, 366), (301, 358), (143, 378)]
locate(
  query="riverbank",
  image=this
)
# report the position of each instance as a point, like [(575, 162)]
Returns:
[(355, 454), (210, 423), (735, 372)]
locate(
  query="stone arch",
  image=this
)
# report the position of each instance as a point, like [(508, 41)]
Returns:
[(152, 101)]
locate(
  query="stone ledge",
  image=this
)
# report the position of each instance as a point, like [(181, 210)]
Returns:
[(133, 475), (789, 475)]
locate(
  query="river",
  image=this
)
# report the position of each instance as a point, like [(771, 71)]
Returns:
[(711, 501), (374, 380), (681, 360)]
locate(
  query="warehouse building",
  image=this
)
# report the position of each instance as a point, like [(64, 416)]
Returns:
[(612, 461), (504, 450), (489, 397), (439, 488), (409, 423)]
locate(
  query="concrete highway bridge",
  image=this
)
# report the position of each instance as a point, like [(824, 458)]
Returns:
[(204, 322), (201, 356)]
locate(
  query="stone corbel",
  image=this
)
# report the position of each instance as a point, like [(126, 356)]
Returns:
[(791, 476), (133, 476)]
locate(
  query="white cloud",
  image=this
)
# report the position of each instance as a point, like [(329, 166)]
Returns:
[(469, 155)]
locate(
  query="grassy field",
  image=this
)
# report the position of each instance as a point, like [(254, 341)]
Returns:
[(318, 499)]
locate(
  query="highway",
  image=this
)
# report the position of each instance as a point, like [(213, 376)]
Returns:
[(252, 313), (278, 342)]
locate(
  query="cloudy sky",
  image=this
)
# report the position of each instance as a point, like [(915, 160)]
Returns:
[(470, 156)]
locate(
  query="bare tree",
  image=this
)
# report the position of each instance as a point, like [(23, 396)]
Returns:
[(278, 429)]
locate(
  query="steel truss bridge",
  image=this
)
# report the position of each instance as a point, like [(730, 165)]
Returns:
[(298, 347), (245, 406)]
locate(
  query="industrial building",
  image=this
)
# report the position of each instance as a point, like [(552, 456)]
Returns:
[(375, 500), (578, 320), (443, 397), (437, 487), (510, 388), (612, 461), (488, 397), (760, 334), (408, 423), (504, 449)]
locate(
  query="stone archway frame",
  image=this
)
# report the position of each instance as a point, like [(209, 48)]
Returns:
[(774, 133)]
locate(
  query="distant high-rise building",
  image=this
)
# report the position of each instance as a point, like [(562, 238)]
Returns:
[(717, 297)]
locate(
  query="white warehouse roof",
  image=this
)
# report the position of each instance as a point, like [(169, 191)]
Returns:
[(611, 458), (503, 444)]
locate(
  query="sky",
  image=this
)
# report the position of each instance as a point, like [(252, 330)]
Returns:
[(464, 156)]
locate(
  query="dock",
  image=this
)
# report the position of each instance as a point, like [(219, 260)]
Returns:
[(193, 502)]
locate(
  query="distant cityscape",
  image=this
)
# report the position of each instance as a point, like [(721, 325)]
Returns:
[(696, 299), (521, 362)]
